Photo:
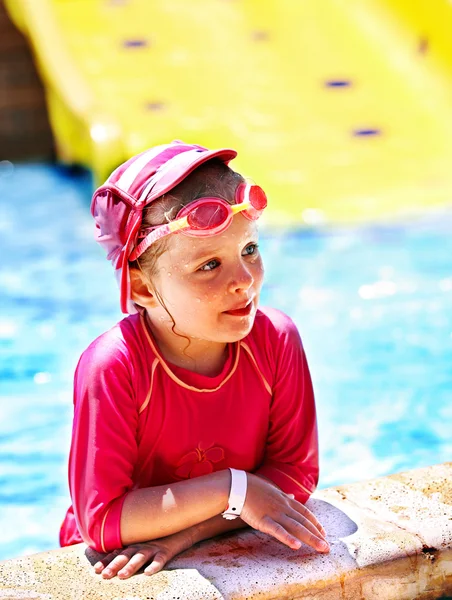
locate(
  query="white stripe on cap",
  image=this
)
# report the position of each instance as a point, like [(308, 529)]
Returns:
[(172, 162), (128, 177)]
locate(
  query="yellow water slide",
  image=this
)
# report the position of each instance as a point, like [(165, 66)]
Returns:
[(341, 109)]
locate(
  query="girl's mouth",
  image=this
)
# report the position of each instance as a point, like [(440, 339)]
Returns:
[(241, 312)]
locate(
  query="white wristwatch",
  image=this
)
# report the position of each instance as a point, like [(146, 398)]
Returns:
[(237, 495)]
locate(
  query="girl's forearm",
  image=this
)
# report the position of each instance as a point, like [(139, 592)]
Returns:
[(155, 512)]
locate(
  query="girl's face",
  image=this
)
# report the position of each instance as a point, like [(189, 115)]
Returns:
[(202, 280)]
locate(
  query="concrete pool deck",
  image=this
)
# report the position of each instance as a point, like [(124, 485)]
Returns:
[(391, 539)]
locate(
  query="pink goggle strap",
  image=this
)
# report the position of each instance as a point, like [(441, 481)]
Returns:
[(155, 234)]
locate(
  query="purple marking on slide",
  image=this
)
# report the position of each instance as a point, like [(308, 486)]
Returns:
[(135, 43), (260, 36), (155, 106), (338, 83), (364, 132)]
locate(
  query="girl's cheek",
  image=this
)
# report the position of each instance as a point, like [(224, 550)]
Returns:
[(212, 293), (197, 293)]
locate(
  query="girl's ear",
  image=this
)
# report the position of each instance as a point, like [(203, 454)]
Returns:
[(141, 290)]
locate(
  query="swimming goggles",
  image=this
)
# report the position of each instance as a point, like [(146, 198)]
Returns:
[(207, 216)]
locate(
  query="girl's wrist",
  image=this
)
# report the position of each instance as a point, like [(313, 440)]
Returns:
[(191, 536), (195, 534)]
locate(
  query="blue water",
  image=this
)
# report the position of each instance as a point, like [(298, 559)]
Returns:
[(373, 304)]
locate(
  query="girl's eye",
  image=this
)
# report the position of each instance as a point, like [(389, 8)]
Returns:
[(210, 266), (251, 249)]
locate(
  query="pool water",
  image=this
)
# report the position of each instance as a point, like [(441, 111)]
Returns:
[(373, 305)]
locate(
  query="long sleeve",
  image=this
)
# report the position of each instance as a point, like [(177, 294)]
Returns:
[(291, 456), (104, 449)]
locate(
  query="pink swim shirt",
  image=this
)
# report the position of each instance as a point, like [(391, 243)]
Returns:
[(140, 421)]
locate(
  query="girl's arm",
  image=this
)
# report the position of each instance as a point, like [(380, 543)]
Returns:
[(155, 512), (150, 513), (158, 553), (131, 558)]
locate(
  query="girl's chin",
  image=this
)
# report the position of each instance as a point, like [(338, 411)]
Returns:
[(227, 329), (237, 327)]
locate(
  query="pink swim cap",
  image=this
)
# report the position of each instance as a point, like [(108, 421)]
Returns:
[(117, 206)]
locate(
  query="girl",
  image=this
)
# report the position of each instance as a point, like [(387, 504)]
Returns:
[(195, 414)]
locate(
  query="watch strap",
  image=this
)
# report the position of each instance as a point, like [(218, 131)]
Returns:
[(237, 494)]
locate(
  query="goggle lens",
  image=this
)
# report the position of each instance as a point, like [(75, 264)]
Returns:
[(255, 196), (258, 198), (207, 216)]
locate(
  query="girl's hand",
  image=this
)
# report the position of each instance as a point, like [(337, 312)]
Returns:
[(271, 511), (127, 561)]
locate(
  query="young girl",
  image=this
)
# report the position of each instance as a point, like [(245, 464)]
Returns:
[(195, 414)]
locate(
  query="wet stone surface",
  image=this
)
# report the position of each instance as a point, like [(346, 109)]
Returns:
[(390, 538)]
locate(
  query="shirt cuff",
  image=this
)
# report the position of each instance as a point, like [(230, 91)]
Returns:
[(110, 533)]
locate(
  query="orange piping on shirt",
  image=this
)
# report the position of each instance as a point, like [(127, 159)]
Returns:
[(174, 377), (305, 489), (248, 349), (102, 530), (148, 397)]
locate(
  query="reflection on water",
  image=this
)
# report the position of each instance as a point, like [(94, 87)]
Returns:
[(373, 306)]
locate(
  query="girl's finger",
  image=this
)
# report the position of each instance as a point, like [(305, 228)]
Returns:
[(306, 535), (118, 563), (135, 563), (293, 514), (320, 528), (103, 562), (159, 561), (271, 527), (305, 512)]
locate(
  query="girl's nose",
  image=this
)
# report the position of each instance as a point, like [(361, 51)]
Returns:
[(242, 280)]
